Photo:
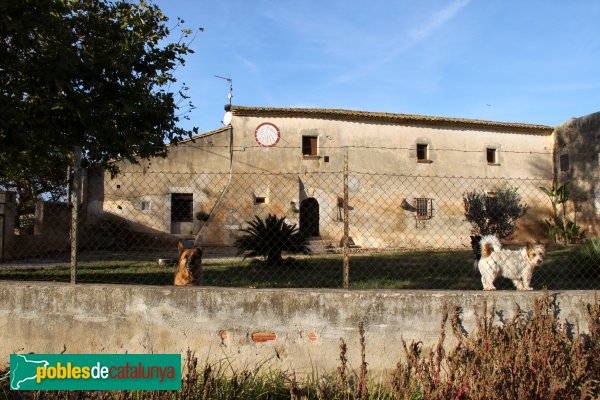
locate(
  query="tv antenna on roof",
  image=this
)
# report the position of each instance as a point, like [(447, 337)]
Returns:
[(230, 81)]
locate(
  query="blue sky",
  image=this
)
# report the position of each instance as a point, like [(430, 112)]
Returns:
[(505, 60)]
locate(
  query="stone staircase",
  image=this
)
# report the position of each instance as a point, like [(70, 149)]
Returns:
[(319, 246)]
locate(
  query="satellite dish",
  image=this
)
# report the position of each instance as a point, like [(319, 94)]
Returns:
[(227, 118)]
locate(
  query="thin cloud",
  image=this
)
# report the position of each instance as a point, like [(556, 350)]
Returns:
[(249, 64), (438, 20), (435, 22)]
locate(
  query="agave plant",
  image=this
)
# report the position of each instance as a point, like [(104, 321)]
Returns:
[(268, 238)]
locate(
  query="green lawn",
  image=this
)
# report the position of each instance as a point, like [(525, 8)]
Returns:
[(408, 270)]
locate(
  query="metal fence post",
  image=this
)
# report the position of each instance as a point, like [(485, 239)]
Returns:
[(346, 224), (2, 226), (75, 210)]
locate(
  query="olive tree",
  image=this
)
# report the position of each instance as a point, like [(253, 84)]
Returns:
[(494, 215)]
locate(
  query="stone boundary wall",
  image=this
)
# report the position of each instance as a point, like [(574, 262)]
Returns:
[(291, 329)]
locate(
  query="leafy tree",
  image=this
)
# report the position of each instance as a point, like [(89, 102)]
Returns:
[(494, 215), (268, 238), (94, 74), (31, 187)]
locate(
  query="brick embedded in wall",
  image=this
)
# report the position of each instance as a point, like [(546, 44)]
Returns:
[(263, 336)]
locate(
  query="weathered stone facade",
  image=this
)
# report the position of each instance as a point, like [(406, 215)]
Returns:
[(576, 158), (407, 176)]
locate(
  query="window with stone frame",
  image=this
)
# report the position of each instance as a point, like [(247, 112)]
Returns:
[(309, 146)]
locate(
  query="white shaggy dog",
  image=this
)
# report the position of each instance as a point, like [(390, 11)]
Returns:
[(516, 265)]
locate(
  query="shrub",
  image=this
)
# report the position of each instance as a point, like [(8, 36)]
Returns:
[(494, 215), (202, 216), (270, 237), (588, 256), (590, 249)]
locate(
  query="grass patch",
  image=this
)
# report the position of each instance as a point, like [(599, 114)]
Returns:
[(565, 268)]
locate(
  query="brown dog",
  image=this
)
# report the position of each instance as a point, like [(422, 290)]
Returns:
[(189, 270)]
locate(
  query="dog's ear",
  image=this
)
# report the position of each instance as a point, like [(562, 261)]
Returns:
[(529, 246), (180, 247)]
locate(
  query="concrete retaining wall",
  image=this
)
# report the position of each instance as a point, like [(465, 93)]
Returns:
[(295, 329)]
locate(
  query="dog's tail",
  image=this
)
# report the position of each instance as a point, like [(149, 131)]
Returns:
[(489, 244)]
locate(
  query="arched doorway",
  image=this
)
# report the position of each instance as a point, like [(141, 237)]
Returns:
[(309, 217)]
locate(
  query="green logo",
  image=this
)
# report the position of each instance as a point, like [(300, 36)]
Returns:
[(95, 371)]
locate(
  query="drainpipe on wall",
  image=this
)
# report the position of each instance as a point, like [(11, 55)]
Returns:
[(346, 283), (225, 190), (555, 139)]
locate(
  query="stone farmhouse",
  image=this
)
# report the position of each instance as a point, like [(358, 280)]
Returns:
[(405, 176)]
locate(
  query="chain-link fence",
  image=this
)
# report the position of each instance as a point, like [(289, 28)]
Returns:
[(350, 229)]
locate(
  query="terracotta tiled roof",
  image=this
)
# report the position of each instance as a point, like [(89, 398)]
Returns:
[(401, 119), (202, 135)]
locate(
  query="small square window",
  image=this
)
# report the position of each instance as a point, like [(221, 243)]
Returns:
[(422, 152), (492, 155), (260, 200), (564, 162), (145, 205), (309, 146), (424, 208)]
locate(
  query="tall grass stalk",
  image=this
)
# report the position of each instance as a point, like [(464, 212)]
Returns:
[(528, 357)]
